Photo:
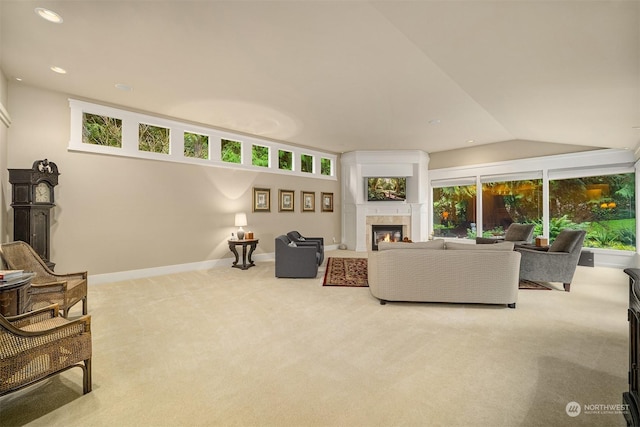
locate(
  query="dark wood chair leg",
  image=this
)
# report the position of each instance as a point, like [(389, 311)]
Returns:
[(567, 287), (382, 302), (86, 377), (512, 305)]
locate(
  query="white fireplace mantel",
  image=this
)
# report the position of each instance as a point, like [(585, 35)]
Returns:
[(358, 215)]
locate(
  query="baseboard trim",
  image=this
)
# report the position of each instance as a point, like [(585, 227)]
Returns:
[(97, 279), (120, 276)]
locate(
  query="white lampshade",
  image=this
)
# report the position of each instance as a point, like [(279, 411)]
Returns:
[(241, 219)]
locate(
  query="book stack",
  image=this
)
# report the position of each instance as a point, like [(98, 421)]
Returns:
[(9, 275)]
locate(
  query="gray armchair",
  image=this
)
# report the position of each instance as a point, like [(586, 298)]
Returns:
[(557, 264), (295, 261), (516, 233), (308, 241)]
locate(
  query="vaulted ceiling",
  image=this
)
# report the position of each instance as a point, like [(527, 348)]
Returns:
[(348, 75)]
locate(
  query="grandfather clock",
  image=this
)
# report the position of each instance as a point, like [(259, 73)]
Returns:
[(32, 200)]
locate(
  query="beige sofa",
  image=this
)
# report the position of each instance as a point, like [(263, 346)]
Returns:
[(450, 272)]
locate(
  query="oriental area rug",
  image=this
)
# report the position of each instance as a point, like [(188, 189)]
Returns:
[(346, 272)]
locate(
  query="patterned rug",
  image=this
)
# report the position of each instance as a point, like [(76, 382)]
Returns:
[(346, 272), (527, 284)]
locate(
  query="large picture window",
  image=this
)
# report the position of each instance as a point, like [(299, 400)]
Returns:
[(454, 211), (506, 202), (603, 206)]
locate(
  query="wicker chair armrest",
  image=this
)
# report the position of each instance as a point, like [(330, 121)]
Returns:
[(47, 287), (69, 276), (34, 316), (68, 328)]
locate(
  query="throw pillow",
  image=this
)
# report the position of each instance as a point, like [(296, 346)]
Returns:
[(302, 239), (292, 244)]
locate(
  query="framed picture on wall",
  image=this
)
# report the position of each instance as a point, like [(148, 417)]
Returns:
[(261, 199), (327, 202), (308, 201), (286, 198)]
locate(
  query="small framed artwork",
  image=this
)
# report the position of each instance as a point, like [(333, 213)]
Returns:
[(262, 199), (286, 198), (308, 201), (327, 202)]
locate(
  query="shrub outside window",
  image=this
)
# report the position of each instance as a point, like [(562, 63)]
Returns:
[(231, 151), (454, 211), (325, 166), (154, 139), (101, 130), (306, 163), (603, 206), (285, 160), (260, 156), (196, 145), (506, 202)]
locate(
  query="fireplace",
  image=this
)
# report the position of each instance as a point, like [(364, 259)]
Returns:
[(385, 233)]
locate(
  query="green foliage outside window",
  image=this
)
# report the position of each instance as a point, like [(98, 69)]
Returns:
[(604, 206), (285, 160), (231, 151), (325, 166), (196, 145), (453, 210), (153, 139), (306, 163), (101, 130), (260, 155)]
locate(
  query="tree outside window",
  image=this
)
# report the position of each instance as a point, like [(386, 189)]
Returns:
[(231, 151)]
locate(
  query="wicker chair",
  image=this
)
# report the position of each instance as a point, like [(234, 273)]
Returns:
[(47, 287), (39, 344)]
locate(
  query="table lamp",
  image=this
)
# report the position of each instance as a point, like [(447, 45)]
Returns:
[(241, 221)]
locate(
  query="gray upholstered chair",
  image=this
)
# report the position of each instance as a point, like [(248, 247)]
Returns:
[(295, 261), (39, 344), (516, 233), (556, 264), (47, 287), (307, 241)]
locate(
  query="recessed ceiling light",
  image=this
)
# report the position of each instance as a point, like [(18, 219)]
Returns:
[(434, 121), (19, 79), (58, 70), (470, 141), (49, 15), (124, 87)]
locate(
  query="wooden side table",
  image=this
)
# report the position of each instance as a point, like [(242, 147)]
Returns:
[(14, 295), (251, 243)]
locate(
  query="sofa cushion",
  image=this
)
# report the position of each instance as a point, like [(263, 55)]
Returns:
[(431, 244), (502, 246)]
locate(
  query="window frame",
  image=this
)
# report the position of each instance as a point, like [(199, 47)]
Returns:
[(129, 148)]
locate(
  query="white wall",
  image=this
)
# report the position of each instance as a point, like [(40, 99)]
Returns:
[(117, 214)]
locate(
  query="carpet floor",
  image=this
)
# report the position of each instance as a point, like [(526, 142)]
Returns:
[(226, 347)]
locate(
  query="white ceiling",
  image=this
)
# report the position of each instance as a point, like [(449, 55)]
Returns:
[(348, 75)]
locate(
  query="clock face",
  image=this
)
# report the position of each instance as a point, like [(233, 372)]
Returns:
[(43, 193)]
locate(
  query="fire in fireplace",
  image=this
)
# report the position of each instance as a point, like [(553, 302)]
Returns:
[(385, 233)]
